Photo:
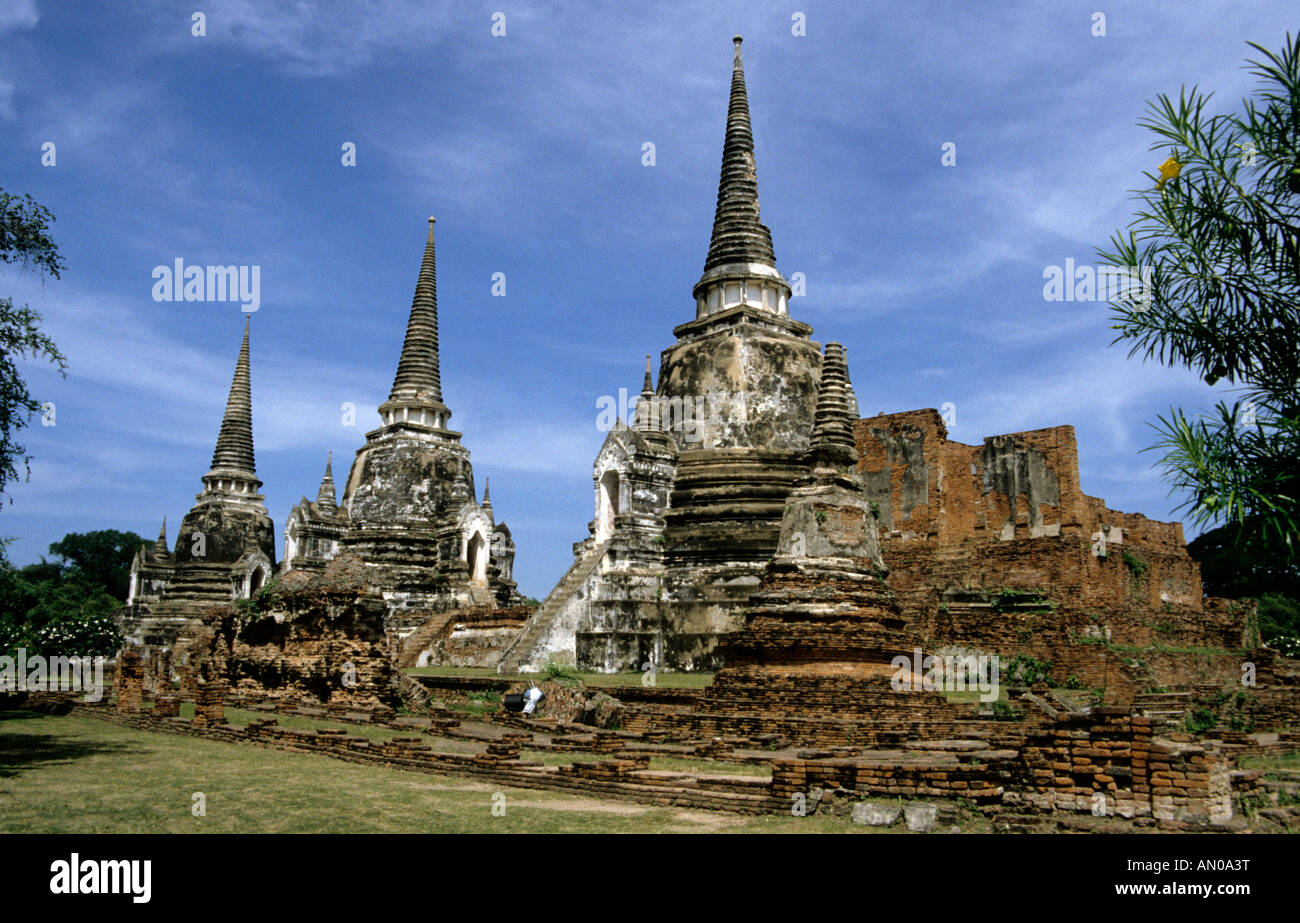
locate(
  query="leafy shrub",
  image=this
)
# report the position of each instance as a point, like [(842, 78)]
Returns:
[(1200, 721), (1026, 671), (561, 672)]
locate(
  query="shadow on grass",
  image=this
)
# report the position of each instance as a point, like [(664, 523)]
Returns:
[(19, 751)]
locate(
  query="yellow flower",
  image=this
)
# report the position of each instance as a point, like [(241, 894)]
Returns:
[(1168, 170)]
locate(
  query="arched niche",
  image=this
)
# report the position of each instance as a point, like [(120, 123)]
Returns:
[(606, 504), (476, 556)]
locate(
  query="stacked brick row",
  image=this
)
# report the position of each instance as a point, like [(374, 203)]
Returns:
[(210, 702), (1108, 762), (610, 770), (982, 782)]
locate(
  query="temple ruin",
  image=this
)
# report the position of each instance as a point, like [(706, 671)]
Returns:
[(409, 531), (827, 568), (225, 548), (412, 511)]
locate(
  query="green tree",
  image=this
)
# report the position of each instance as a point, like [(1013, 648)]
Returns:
[(1240, 566), (1235, 566), (57, 607), (104, 557), (1219, 231), (25, 240)]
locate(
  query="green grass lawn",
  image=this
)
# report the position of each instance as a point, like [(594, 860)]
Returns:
[(1281, 761), (81, 775)]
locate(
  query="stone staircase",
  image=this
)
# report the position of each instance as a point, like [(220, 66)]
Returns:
[(1169, 708), (410, 646), (524, 648)]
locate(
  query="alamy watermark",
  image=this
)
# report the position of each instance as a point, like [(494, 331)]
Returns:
[(1098, 283), (684, 414), (75, 875), (179, 282), (53, 674), (947, 673)]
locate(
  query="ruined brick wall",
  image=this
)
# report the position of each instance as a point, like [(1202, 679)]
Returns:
[(1014, 486), (128, 679), (1049, 598), (210, 701), (1109, 762), (964, 527), (472, 636), (1062, 568), (1266, 699), (931, 488), (1110, 759), (982, 782), (327, 644)]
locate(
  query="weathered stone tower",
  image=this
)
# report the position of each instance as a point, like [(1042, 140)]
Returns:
[(225, 548), (314, 528), (689, 499), (413, 520)]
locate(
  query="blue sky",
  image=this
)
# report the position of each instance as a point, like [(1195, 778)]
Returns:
[(226, 149)]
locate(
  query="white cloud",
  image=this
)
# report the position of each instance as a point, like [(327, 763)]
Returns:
[(15, 15), (18, 14), (327, 37)]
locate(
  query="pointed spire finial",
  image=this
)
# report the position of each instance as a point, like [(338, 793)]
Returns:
[(418, 379), (233, 456), (160, 543), (487, 493), (647, 409), (325, 496), (738, 234), (832, 437)]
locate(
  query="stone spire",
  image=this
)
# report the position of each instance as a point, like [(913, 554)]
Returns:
[(740, 250), (738, 235), (416, 396), (647, 410), (832, 436), (233, 468), (160, 543), (487, 495), (325, 496)]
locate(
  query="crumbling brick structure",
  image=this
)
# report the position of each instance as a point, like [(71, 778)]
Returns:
[(1108, 763), (996, 548), (210, 695), (128, 680), (324, 641)]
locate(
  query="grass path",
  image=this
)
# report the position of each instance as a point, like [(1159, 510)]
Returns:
[(80, 775)]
